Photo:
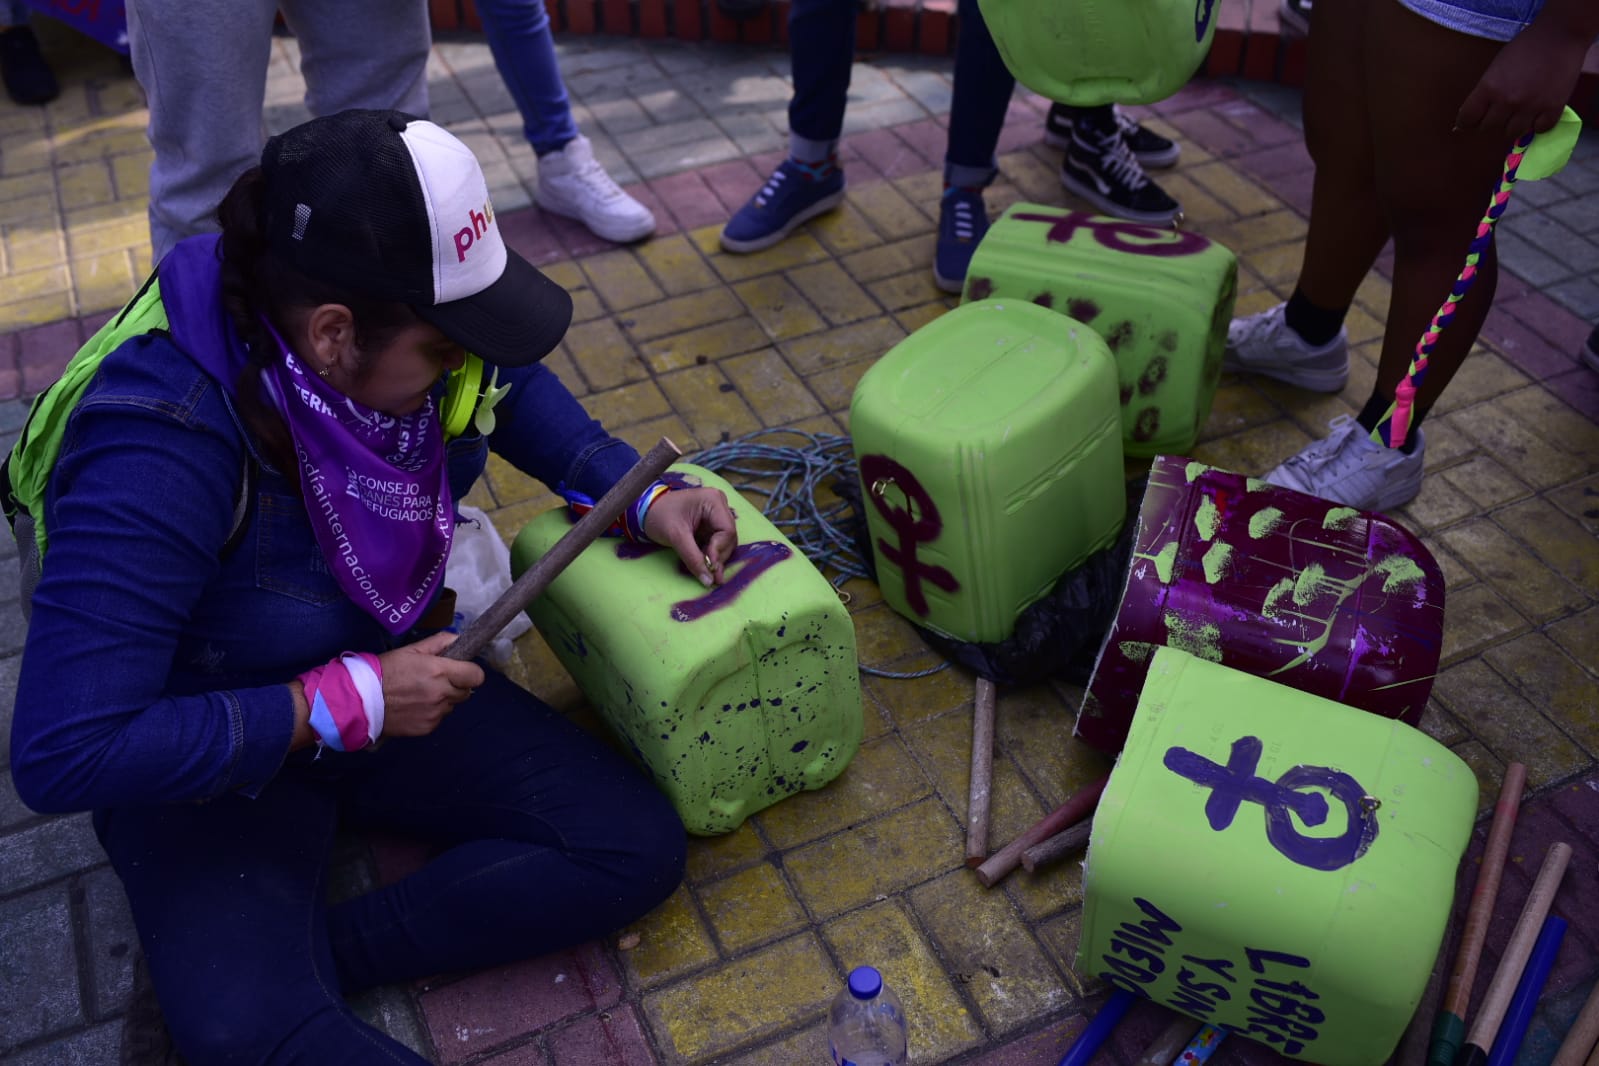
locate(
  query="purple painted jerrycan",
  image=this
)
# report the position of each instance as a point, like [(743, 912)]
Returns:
[(1343, 604)]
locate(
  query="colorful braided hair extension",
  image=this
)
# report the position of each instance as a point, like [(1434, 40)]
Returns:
[(1395, 424)]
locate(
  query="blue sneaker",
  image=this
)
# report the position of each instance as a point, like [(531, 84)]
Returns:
[(962, 221), (792, 195)]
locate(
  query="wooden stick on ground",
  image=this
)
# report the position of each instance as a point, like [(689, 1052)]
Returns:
[(1583, 1035), (982, 774), (1514, 959), (480, 632), (1451, 1024), (1079, 806), (1058, 847)]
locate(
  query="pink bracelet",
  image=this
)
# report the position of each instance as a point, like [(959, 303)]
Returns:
[(346, 700)]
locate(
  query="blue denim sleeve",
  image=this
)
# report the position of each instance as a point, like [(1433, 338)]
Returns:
[(543, 430), (142, 502)]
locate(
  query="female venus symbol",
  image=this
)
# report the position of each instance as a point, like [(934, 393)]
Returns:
[(880, 469), (1236, 784), (1131, 237)]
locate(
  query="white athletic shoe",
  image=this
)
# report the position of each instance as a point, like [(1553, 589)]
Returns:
[(1350, 468), (572, 183), (1263, 344)]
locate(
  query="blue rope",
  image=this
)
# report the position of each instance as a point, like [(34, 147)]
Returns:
[(789, 477)]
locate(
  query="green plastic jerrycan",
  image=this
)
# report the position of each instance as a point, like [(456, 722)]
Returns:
[(1274, 862), (733, 697), (1161, 298), (1092, 52), (989, 449)]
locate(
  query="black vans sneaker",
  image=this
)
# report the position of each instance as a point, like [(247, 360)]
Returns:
[(1148, 147), (1101, 168)]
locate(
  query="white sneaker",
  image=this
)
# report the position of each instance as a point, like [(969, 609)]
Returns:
[(1350, 468), (572, 183), (1263, 344)]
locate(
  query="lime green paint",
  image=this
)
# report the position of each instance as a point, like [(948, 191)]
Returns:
[(1163, 560), (1398, 571), (1136, 651), (1338, 517), (1216, 561), (1274, 596), (1199, 639), (1309, 583), (1254, 484), (1263, 521), (1207, 519), (1193, 470)]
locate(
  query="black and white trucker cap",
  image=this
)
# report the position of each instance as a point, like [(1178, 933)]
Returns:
[(397, 208)]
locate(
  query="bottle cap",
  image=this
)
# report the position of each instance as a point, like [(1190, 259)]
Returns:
[(865, 982)]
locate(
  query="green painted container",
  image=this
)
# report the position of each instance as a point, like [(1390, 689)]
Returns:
[(1274, 862), (989, 449), (1091, 52), (732, 698), (1161, 298)]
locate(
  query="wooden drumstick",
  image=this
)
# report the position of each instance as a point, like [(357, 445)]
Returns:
[(1486, 1025), (1583, 1035), (982, 774)]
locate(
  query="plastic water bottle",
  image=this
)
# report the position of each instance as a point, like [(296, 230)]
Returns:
[(866, 1026)]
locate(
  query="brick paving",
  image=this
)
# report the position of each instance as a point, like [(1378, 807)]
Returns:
[(674, 337)]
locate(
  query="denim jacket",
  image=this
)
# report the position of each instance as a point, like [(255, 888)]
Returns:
[(156, 663)]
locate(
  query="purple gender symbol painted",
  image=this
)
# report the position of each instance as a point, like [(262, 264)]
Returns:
[(1130, 237), (912, 530), (756, 557), (1236, 784)]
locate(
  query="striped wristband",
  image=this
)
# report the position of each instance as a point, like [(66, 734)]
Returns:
[(346, 700), (630, 523)]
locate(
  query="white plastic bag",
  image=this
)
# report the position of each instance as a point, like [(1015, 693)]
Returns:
[(479, 570)]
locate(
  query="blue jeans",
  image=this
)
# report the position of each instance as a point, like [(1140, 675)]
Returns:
[(821, 36), (543, 837), (518, 32)]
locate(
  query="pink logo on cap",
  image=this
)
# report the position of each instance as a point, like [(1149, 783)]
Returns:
[(467, 235)]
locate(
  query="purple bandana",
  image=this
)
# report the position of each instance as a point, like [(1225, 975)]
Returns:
[(376, 489)]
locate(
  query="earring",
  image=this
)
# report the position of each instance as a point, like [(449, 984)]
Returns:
[(326, 372)]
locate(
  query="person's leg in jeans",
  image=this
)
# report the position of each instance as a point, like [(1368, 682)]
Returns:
[(571, 182), (821, 48), (27, 75), (547, 838), (204, 79), (982, 95)]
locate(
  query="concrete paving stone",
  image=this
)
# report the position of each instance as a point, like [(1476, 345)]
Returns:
[(1576, 213), (1255, 450), (709, 343), (1553, 682), (939, 1021), (913, 289), (1059, 936), (1241, 196), (676, 264), (914, 318), (1580, 500), (1511, 727), (392, 1010), (1516, 574), (1041, 1048), (1482, 376), (1580, 295), (881, 778), (719, 856), (1525, 349), (799, 249), (984, 943), (709, 403), (609, 1038), (673, 940), (1540, 525), (91, 1047), (713, 147), (1579, 254), (767, 383), (628, 404), (1528, 261), (846, 344), (780, 307), (112, 941), (831, 290), (1519, 447), (1475, 618), (942, 747), (679, 314), (743, 1003), (750, 908), (883, 637), (620, 280), (892, 258), (39, 981), (733, 182), (45, 852), (890, 213), (12, 812), (909, 845), (1579, 389), (483, 1010)]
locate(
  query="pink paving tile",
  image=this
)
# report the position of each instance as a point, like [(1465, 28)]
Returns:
[(1580, 389), (1293, 189), (861, 170), (689, 200), (1562, 329), (733, 182), (498, 1006), (1197, 94), (526, 1055), (665, 223), (886, 152), (1024, 127), (1525, 348), (527, 232), (1214, 133), (926, 138), (1279, 159), (1263, 127), (610, 1038), (1139, 1029), (576, 237), (43, 352), (1043, 1048)]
